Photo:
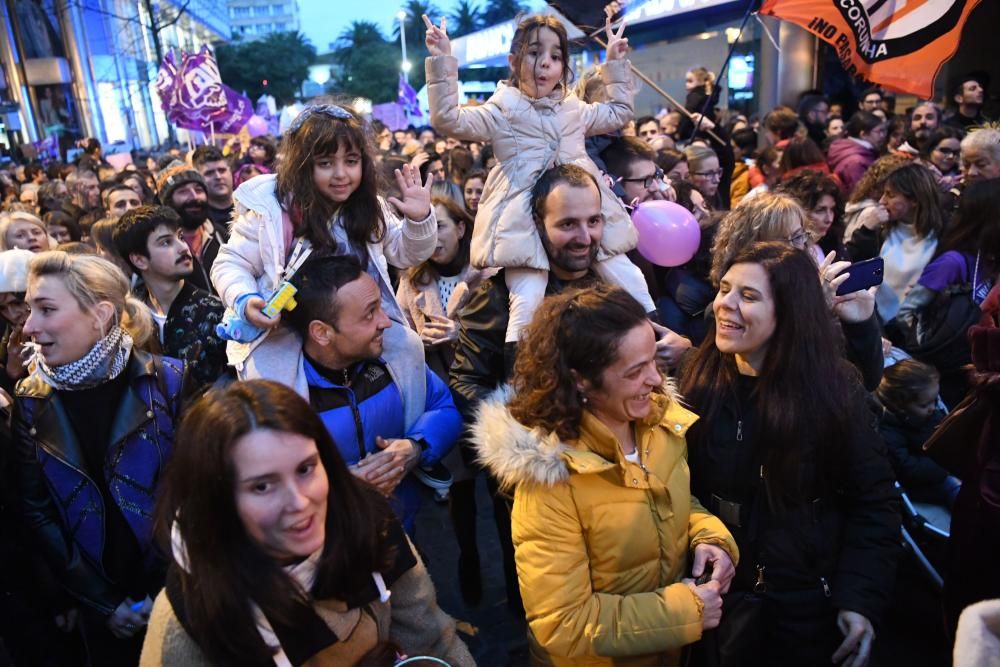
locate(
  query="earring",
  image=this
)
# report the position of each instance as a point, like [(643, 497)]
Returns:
[(583, 398)]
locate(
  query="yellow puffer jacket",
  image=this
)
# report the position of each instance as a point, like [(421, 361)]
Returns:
[(602, 543)]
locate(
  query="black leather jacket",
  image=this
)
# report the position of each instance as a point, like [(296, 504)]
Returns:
[(483, 361), (60, 503)]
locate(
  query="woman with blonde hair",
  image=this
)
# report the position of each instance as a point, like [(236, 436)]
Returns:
[(105, 411), (767, 217), (20, 229)]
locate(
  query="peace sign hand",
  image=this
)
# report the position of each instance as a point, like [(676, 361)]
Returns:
[(437, 40), (415, 203), (617, 45)]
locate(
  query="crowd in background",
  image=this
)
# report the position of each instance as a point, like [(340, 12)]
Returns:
[(712, 459)]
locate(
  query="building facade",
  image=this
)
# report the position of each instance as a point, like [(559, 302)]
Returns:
[(251, 19), (87, 68)]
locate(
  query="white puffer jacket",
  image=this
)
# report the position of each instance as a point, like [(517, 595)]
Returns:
[(528, 137), (254, 258)]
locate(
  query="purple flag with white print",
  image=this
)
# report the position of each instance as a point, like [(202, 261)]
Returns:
[(407, 97), (194, 97)]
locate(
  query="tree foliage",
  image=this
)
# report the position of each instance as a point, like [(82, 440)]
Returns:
[(369, 63), (498, 11), (414, 23), (282, 59), (466, 18)]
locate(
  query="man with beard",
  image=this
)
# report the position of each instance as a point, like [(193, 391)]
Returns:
[(968, 94), (183, 189), (813, 112), (566, 206), (926, 118), (149, 239), (214, 168)]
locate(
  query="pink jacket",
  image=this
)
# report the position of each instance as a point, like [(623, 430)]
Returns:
[(849, 161)]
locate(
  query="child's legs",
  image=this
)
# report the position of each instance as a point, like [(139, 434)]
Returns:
[(527, 289), (622, 272)]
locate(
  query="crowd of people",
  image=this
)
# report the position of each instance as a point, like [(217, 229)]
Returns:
[(701, 461)]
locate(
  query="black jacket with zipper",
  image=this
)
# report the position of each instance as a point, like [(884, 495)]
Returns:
[(843, 544)]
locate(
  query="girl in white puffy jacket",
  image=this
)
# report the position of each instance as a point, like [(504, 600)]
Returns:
[(534, 122), (325, 193)]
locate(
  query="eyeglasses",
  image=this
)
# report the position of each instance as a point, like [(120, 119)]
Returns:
[(798, 238), (331, 110), (708, 174), (647, 181)]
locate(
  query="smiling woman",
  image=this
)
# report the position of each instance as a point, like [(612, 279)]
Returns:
[(786, 456), (593, 445), (279, 554)]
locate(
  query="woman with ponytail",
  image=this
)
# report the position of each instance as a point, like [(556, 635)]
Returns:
[(94, 426)]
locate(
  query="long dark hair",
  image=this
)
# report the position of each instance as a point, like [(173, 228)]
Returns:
[(555, 346), (311, 212), (976, 226), (527, 31), (226, 571), (423, 273), (804, 384)]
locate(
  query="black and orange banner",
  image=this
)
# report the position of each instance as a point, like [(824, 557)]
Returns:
[(897, 44)]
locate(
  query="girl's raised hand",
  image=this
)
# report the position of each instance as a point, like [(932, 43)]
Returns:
[(415, 203), (617, 45), (437, 40)]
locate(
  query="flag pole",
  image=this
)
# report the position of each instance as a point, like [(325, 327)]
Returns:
[(725, 64), (652, 84)]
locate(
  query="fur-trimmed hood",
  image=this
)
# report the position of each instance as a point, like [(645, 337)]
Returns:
[(515, 453)]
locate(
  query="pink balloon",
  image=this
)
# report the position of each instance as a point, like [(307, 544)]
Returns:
[(256, 126), (668, 233)]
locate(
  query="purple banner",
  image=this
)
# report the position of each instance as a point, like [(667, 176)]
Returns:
[(47, 148), (194, 97), (407, 97), (392, 115)]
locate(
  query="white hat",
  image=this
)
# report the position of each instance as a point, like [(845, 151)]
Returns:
[(14, 270)]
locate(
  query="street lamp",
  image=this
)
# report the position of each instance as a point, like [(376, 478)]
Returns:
[(401, 15)]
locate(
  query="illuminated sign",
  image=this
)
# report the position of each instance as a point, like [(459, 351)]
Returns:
[(658, 9), (491, 46), (490, 43)]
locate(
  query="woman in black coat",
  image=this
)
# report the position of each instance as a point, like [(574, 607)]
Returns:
[(785, 454)]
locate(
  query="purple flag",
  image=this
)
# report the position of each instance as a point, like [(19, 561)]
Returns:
[(194, 97), (407, 97), (47, 147), (392, 114)]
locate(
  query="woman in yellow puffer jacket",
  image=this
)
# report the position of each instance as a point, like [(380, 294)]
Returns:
[(591, 440)]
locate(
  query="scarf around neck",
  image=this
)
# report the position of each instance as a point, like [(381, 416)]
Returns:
[(295, 646), (105, 361)]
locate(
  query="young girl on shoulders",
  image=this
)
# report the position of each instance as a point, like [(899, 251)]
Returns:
[(534, 121)]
